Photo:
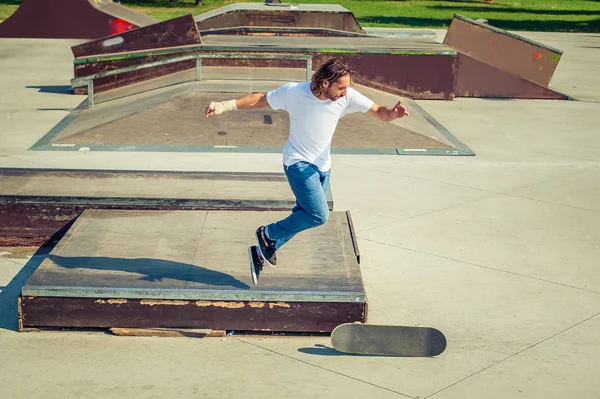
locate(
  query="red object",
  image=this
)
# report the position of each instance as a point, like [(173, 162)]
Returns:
[(120, 25), (536, 56)]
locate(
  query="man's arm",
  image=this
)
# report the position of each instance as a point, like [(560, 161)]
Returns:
[(387, 114), (251, 101)]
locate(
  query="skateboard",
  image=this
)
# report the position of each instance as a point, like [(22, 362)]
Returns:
[(372, 339)]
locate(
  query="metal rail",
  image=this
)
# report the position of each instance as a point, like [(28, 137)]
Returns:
[(89, 80)]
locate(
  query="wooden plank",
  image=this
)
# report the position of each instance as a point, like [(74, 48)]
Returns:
[(218, 315), (166, 332), (20, 312)]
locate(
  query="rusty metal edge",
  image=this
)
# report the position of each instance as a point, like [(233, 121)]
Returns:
[(139, 203), (211, 174), (193, 294)]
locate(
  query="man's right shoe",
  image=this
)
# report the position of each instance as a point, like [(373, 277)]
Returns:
[(266, 247)]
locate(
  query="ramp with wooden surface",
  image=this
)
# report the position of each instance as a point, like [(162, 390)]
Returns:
[(181, 31), (71, 19), (492, 62), (332, 17), (190, 269), (36, 204)]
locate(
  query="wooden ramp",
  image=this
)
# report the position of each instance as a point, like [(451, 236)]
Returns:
[(190, 269), (492, 62), (71, 19)]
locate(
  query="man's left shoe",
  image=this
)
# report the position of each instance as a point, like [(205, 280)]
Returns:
[(266, 247), (256, 263)]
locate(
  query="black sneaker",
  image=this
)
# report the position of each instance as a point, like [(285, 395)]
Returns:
[(266, 247), (256, 263)]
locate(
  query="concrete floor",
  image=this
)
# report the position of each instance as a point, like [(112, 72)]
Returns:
[(499, 251)]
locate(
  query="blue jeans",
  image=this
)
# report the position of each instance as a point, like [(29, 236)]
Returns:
[(308, 184)]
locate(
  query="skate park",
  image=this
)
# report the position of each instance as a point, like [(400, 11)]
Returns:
[(496, 248)]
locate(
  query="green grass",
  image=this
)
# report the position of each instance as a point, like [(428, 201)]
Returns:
[(531, 15)]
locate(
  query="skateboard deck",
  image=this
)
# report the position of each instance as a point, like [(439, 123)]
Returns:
[(372, 339)]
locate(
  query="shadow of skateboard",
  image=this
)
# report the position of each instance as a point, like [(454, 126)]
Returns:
[(383, 340)]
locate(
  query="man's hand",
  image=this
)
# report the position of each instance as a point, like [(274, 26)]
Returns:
[(251, 101), (387, 114), (216, 108), (399, 111)]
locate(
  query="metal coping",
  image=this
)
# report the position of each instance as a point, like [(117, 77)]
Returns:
[(507, 33), (216, 174), (160, 203), (194, 294)]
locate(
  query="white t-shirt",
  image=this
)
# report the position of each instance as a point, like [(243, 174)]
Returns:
[(313, 121)]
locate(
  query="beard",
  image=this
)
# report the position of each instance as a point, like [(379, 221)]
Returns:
[(331, 95)]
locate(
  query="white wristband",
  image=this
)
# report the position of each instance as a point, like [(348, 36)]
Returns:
[(220, 107), (230, 105)]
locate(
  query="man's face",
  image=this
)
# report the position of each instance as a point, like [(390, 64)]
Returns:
[(337, 89)]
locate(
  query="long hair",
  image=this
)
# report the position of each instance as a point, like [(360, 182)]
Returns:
[(330, 71)]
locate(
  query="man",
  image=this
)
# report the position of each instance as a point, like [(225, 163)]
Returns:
[(314, 109)]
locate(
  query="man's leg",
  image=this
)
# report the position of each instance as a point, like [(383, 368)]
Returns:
[(308, 185)]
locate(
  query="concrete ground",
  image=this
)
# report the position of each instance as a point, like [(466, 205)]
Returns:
[(500, 251)]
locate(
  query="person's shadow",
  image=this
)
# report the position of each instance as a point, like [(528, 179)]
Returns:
[(151, 270)]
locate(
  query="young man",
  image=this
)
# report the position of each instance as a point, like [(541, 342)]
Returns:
[(314, 108)]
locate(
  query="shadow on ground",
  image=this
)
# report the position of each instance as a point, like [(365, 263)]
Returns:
[(150, 270), (9, 294), (322, 350), (53, 89)]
